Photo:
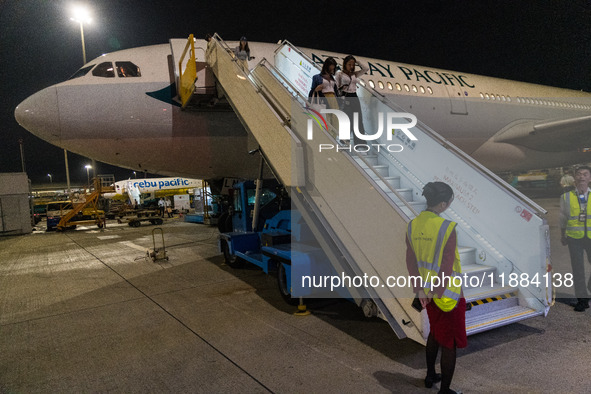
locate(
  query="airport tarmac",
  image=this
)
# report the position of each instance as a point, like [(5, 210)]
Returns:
[(85, 311)]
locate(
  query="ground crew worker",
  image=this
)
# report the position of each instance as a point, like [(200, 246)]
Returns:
[(161, 204), (575, 226), (431, 252), (168, 206)]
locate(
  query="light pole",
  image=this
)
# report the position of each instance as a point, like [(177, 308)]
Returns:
[(81, 16), (50, 178), (88, 167)]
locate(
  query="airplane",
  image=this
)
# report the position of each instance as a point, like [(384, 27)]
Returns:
[(121, 108), (158, 187)]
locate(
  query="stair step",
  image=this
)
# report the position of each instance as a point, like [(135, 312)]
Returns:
[(418, 206), (487, 292), (371, 159), (414, 204), (484, 274), (500, 318), (382, 169), (405, 193), (394, 181), (468, 259)]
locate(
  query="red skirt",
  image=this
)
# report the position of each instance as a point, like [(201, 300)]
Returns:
[(448, 328)]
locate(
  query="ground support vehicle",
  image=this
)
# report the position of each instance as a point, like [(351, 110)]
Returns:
[(134, 218), (281, 245), (85, 211)]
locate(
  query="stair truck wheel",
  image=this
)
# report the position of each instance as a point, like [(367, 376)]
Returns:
[(284, 286), (231, 259)]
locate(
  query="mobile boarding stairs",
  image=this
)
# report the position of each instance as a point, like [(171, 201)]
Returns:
[(358, 204)]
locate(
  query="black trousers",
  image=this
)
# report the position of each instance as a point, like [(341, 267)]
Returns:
[(577, 248), (351, 105)]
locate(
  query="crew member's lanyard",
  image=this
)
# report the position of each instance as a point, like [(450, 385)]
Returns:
[(583, 198)]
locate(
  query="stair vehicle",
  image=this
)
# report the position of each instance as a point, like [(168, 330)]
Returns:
[(357, 199), (60, 209), (84, 210)]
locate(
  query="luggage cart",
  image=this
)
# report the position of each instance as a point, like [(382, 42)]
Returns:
[(157, 253)]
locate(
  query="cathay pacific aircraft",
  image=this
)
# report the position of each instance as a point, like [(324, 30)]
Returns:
[(122, 108)]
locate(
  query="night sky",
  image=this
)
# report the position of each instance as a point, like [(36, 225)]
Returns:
[(545, 42)]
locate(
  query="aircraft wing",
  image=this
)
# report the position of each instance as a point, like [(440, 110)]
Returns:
[(553, 135)]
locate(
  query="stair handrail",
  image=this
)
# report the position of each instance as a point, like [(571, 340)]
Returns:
[(187, 77)]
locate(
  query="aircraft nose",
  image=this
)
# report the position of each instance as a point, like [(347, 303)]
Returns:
[(39, 114)]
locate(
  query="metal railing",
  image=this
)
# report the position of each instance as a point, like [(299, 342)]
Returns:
[(188, 74)]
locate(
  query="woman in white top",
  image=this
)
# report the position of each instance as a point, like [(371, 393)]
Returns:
[(325, 85), (347, 86), (242, 53)]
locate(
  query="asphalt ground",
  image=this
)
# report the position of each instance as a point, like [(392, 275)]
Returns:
[(86, 311)]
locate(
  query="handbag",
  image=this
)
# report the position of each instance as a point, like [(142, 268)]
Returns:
[(316, 103)]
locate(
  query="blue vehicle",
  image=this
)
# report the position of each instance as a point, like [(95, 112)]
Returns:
[(280, 243)]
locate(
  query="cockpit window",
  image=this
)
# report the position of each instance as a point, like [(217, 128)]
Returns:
[(127, 69), (82, 72), (104, 70)]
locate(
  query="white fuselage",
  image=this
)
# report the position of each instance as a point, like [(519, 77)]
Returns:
[(135, 122), (150, 185)]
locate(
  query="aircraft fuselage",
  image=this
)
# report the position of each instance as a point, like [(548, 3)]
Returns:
[(135, 121)]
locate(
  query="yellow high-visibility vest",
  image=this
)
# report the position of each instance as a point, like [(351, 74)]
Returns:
[(575, 228), (428, 233)]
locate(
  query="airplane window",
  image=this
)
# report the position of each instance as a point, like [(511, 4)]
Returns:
[(390, 86), (104, 70), (487, 96), (82, 72), (406, 88), (398, 87), (481, 95), (422, 90), (127, 69), (381, 84), (414, 88), (362, 82), (371, 84), (429, 90)]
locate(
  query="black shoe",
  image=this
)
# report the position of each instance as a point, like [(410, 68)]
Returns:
[(430, 380), (448, 391), (581, 306)]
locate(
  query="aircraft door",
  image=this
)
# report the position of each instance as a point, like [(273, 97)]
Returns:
[(205, 83), (457, 100)]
